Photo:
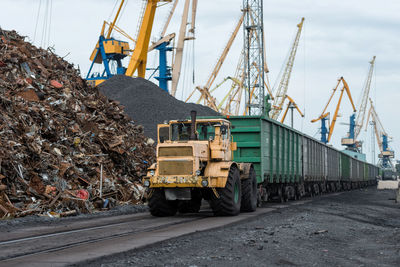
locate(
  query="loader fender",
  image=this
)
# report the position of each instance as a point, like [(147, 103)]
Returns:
[(244, 170), (217, 173)]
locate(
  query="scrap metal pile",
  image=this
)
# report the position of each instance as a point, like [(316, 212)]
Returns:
[(58, 137)]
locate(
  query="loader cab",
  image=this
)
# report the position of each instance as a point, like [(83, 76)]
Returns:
[(205, 130)]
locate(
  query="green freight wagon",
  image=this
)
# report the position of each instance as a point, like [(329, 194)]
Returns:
[(275, 151), (290, 164)]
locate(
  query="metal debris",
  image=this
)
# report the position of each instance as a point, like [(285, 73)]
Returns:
[(56, 133)]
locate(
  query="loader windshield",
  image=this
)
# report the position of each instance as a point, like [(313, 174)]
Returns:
[(204, 131), (180, 131)]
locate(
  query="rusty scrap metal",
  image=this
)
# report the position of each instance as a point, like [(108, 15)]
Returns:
[(57, 133)]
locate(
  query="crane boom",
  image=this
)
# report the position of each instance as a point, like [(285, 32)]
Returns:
[(193, 22), (364, 101), (176, 69), (284, 83), (110, 29), (217, 67), (171, 13), (236, 91), (139, 57)]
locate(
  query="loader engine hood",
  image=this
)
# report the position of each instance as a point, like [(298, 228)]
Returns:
[(181, 158)]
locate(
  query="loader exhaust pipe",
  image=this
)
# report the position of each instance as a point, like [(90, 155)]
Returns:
[(193, 136)]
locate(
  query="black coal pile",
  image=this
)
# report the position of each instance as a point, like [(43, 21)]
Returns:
[(65, 147), (147, 104)]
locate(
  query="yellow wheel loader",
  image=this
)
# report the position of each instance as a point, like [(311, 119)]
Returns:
[(194, 162)]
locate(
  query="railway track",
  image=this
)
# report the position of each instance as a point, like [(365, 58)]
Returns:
[(69, 243)]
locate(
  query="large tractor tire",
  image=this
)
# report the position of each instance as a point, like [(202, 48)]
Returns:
[(249, 192), (161, 207), (228, 203), (191, 206)]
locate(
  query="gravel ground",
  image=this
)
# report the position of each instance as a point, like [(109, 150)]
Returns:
[(359, 228), (147, 104), (20, 223)]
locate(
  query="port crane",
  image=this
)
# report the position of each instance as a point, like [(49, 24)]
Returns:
[(357, 123), (281, 90), (110, 52), (382, 139), (325, 133)]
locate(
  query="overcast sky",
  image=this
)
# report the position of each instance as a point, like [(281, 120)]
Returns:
[(339, 39)]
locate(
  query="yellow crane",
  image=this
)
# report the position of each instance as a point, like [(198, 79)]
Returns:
[(109, 51), (284, 83), (324, 114), (291, 105)]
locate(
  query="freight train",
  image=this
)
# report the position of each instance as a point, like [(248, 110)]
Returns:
[(290, 164), (238, 161)]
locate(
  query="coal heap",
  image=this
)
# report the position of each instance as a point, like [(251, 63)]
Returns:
[(147, 104), (56, 134)]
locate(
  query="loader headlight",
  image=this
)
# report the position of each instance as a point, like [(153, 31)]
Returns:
[(198, 172), (146, 183), (152, 172), (204, 183)]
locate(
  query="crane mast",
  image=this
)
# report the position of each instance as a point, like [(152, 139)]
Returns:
[(284, 83), (254, 57), (177, 65), (357, 123)]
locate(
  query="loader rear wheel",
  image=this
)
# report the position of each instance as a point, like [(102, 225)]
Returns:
[(161, 207), (249, 192), (228, 203)]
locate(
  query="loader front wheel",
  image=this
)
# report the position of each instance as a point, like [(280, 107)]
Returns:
[(249, 192), (228, 203), (161, 207)]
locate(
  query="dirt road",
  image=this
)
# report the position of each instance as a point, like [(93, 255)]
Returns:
[(358, 228), (71, 241)]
